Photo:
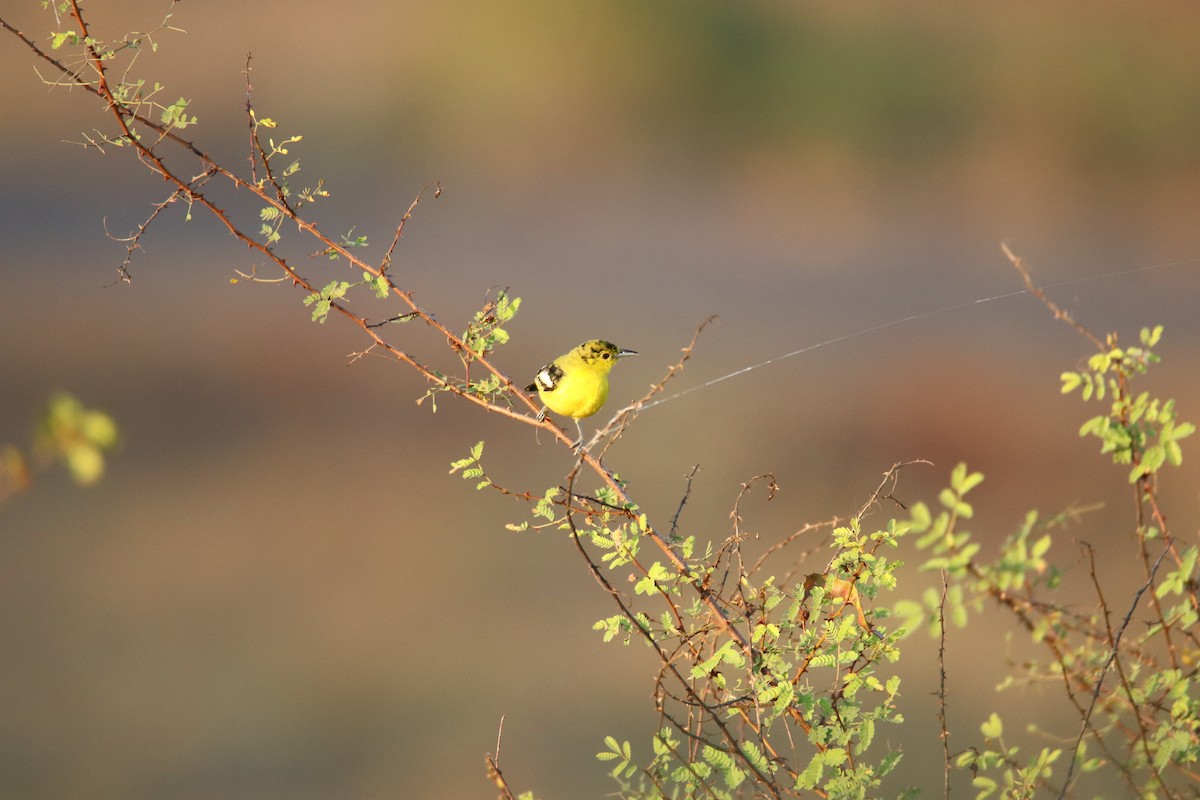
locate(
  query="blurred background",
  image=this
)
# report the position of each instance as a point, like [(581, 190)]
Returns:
[(277, 591)]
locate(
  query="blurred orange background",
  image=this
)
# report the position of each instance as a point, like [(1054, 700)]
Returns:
[(278, 592)]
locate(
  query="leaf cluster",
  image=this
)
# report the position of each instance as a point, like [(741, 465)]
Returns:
[(67, 433), (1138, 430)]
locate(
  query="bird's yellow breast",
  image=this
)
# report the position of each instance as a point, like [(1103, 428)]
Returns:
[(580, 392)]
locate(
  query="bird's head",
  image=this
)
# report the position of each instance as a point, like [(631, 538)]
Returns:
[(600, 353)]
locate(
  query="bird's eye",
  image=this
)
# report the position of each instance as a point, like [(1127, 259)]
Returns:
[(606, 356)]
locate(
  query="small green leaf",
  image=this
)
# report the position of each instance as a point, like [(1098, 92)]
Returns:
[(321, 311), (1041, 546), (969, 482), (811, 776), (175, 115), (86, 463), (60, 38), (98, 428), (985, 785)]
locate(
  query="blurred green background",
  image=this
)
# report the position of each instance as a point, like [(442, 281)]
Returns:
[(278, 592)]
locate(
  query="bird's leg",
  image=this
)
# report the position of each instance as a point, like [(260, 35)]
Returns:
[(578, 444)]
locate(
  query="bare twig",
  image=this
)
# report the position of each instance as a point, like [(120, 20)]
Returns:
[(808, 527), (1059, 313), (387, 257), (497, 777), (1113, 653), (687, 492), (889, 480), (941, 694)]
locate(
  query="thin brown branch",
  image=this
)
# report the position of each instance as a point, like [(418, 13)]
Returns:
[(193, 194), (1059, 313), (124, 116), (1113, 654), (496, 776), (941, 693), (687, 492), (387, 257), (258, 155), (398, 318), (1112, 636), (808, 527), (891, 476)]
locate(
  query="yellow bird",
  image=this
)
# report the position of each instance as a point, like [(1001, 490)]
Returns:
[(576, 383)]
